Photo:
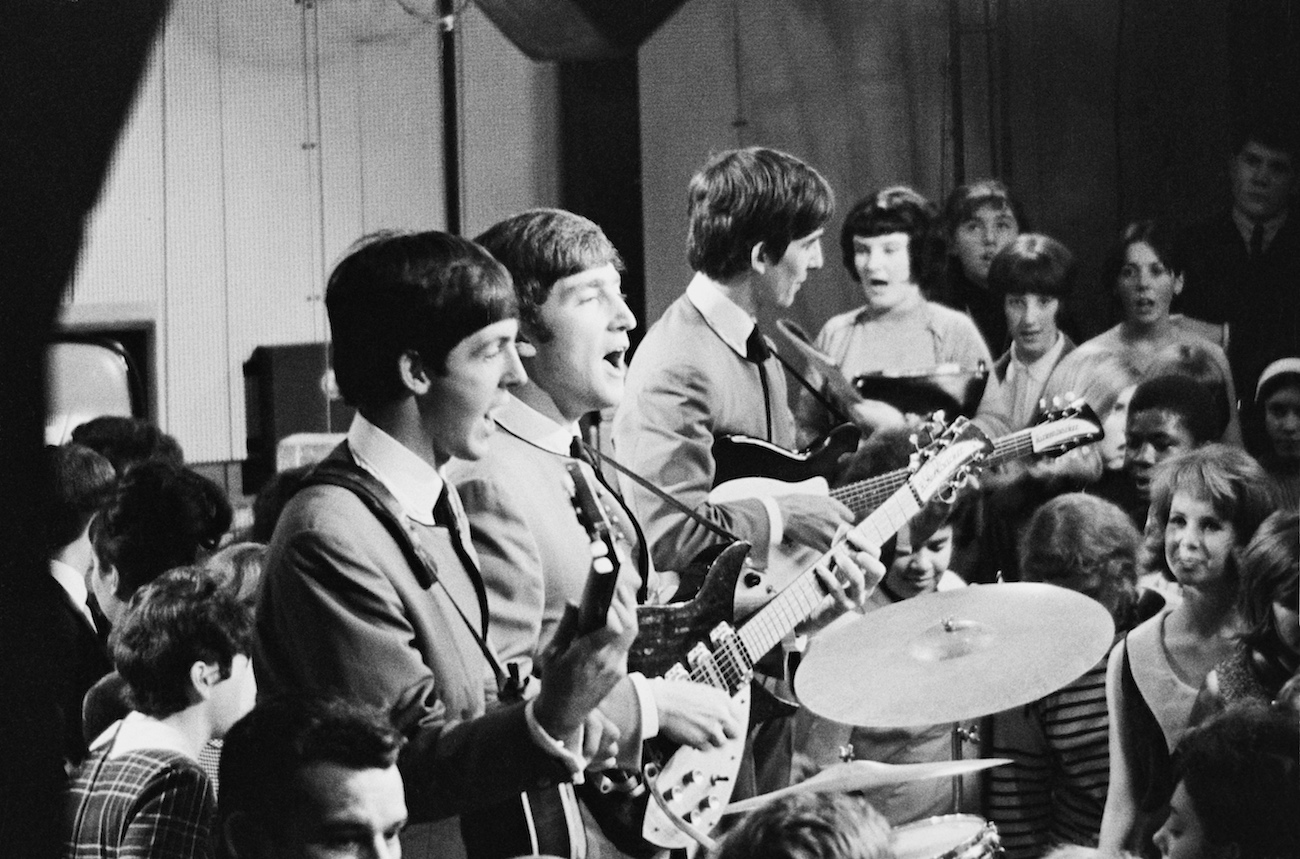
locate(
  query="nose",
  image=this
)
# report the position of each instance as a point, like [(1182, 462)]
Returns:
[(815, 258), (514, 373), (1144, 453), (1161, 840), (624, 318)]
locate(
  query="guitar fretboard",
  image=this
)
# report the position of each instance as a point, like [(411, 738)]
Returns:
[(866, 495), (733, 659)]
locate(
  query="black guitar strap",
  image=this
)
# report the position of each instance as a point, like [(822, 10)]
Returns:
[(346, 474)]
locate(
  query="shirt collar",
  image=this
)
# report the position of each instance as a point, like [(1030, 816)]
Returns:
[(728, 320), (414, 483), (72, 581), (1040, 367), (522, 420), (1246, 226)]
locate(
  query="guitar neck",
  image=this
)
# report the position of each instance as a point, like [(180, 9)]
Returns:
[(866, 495), (765, 629)]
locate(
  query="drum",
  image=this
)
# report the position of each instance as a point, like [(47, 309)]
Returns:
[(952, 836)]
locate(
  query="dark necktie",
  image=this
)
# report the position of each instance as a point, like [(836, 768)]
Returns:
[(756, 352), (448, 514), (1257, 242), (579, 450)]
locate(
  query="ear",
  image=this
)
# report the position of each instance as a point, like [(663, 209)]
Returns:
[(204, 676), (415, 376), (1178, 284), (524, 344), (240, 836), (758, 258)]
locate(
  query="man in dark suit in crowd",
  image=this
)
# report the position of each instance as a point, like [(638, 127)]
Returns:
[(1243, 265), (80, 484), (424, 329)]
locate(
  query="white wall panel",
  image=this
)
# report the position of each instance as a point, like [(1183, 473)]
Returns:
[(511, 126)]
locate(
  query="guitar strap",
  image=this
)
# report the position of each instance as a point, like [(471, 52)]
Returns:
[(544, 820), (663, 496)]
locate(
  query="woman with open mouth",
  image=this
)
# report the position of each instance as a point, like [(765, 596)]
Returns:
[(1146, 274)]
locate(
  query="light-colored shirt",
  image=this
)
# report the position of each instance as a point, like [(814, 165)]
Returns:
[(1018, 393), (73, 582), (733, 325)]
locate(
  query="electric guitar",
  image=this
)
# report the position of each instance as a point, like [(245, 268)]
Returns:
[(740, 458), (694, 641)]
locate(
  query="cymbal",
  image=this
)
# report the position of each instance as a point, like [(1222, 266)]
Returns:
[(953, 655), (863, 775)]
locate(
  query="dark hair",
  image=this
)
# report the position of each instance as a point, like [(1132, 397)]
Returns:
[(1241, 771), (896, 210), (1086, 544), (1227, 477), (128, 441), (264, 752), (1156, 235), (965, 200), (396, 293), (1268, 130), (1270, 572), (1196, 362), (1181, 396), (810, 826), (238, 568), (539, 247), (742, 197), (182, 617), (1033, 263), (80, 483), (161, 516), (271, 498)]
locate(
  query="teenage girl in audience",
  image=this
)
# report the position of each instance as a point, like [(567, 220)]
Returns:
[(1205, 505), (182, 647), (1054, 790), (980, 219), (1268, 652), (1145, 272), (1274, 428)]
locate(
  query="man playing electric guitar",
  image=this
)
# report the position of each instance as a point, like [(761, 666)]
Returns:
[(535, 556)]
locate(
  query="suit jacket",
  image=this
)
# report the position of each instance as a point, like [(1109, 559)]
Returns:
[(685, 388), (1259, 299), (342, 612), (535, 557), (72, 633)]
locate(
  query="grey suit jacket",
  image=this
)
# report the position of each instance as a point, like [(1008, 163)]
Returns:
[(685, 388), (341, 612)]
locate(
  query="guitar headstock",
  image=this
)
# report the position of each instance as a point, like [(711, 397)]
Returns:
[(604, 553), (1064, 428), (948, 462)]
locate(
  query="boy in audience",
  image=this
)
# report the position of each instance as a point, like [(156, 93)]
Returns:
[(1167, 415), (308, 777)]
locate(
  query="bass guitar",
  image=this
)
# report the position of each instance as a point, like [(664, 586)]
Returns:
[(740, 459), (695, 641)]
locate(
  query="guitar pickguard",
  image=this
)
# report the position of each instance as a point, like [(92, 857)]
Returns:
[(696, 785)]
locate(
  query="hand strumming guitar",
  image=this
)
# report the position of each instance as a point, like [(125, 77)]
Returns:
[(696, 715)]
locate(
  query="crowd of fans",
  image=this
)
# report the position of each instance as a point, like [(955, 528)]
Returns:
[(1181, 742)]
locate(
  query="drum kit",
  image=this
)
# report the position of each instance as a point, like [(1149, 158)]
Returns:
[(943, 657)]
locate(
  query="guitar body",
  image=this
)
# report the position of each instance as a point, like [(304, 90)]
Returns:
[(668, 632), (741, 456)]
